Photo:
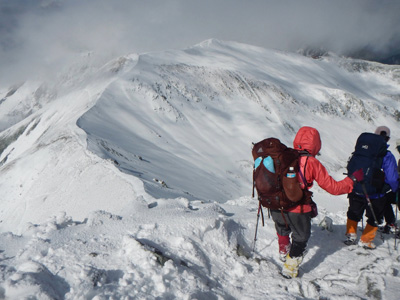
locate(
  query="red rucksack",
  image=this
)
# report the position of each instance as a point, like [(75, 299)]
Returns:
[(278, 187)]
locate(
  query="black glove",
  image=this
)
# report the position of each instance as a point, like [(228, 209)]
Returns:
[(391, 197)]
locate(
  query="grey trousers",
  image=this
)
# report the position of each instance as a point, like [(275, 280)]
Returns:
[(296, 224)]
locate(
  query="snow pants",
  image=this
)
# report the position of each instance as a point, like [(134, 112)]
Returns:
[(358, 204), (296, 224), (390, 218)]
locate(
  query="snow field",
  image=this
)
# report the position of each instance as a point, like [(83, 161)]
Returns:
[(132, 181)]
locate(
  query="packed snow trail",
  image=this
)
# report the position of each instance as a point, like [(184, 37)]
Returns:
[(177, 249)]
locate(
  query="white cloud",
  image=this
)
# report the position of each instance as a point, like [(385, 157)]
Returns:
[(43, 34)]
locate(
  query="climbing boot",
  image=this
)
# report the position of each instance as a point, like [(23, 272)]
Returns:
[(291, 266), (367, 237), (351, 239), (351, 232)]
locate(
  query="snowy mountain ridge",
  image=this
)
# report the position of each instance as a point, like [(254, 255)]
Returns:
[(153, 151)]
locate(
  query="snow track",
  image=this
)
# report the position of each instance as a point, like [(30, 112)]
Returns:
[(173, 251)]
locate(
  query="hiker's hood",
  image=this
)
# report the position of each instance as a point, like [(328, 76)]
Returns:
[(307, 138)]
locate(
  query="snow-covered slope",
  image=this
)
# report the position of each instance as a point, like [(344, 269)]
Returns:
[(156, 149)]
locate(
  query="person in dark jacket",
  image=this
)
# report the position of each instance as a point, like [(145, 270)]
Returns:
[(295, 223), (358, 203)]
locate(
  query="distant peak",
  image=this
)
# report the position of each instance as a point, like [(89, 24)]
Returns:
[(209, 43)]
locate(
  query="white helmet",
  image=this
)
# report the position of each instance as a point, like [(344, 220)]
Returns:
[(383, 131)]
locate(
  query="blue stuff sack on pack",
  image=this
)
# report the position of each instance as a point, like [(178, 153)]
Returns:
[(268, 163)]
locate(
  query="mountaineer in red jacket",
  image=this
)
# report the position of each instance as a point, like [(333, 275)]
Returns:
[(297, 220)]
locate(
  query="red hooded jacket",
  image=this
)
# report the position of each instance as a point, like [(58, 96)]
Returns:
[(308, 139)]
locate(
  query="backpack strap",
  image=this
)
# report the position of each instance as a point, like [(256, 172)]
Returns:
[(254, 175), (284, 219), (303, 176)]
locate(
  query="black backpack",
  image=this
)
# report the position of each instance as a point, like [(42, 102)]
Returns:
[(277, 189), (368, 155)]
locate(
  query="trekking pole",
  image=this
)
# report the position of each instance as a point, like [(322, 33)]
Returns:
[(370, 207), (258, 217), (362, 222), (398, 232)]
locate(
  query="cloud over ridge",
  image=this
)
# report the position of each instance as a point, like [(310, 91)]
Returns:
[(45, 34)]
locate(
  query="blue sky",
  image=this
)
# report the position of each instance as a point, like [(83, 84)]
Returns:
[(38, 35)]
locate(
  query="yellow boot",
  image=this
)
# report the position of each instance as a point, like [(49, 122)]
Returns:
[(351, 232), (291, 266), (367, 237)]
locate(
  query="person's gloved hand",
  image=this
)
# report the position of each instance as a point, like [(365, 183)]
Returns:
[(357, 176), (391, 197)]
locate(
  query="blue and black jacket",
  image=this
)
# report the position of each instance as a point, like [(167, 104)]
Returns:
[(389, 166)]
